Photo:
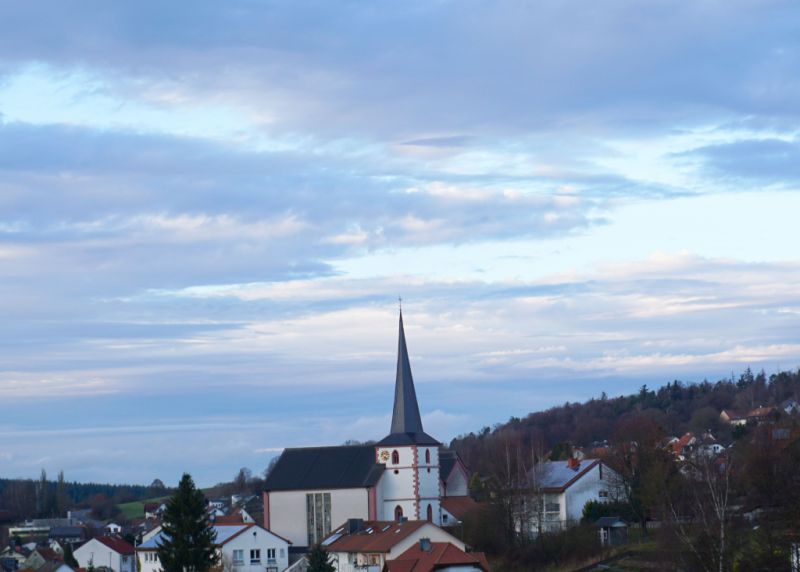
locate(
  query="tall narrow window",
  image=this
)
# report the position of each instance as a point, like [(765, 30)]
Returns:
[(430, 513), (428, 456), (395, 458), (398, 512), (318, 516)]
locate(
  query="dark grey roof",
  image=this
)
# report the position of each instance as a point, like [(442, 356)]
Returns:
[(66, 532), (610, 521), (345, 467), (447, 460), (559, 474), (406, 421)]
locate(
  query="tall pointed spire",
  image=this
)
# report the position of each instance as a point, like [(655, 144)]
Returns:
[(406, 420), (405, 417)]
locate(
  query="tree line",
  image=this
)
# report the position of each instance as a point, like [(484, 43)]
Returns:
[(735, 511), (45, 498)]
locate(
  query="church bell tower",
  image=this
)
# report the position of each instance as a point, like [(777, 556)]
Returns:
[(410, 483)]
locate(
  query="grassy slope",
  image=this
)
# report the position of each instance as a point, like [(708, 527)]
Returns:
[(135, 509)]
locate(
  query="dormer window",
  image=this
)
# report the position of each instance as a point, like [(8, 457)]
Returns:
[(395, 458)]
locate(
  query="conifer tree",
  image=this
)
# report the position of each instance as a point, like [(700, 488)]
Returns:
[(319, 560), (69, 557), (187, 543)]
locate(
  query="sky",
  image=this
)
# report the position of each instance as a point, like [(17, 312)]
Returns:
[(208, 211)]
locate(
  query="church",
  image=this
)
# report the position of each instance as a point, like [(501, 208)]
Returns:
[(406, 475)]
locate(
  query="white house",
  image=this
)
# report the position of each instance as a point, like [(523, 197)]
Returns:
[(405, 475), (113, 528), (242, 548), (566, 486), (108, 551), (365, 546)]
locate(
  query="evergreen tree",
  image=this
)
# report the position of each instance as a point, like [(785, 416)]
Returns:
[(61, 495), (319, 560), (188, 537), (69, 557)]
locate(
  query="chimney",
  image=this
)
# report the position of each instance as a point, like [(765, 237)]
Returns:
[(354, 525), (573, 463), (425, 544)]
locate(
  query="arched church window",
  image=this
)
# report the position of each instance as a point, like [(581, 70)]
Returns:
[(395, 457), (430, 513), (398, 513), (427, 455)]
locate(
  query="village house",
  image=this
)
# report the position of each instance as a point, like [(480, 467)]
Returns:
[(40, 556), (109, 551), (427, 556), (561, 489), (366, 545), (757, 416), (242, 548)]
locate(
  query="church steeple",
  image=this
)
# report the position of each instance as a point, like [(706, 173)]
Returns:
[(406, 421), (405, 417)]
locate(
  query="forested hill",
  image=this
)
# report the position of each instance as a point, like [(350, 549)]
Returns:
[(43, 498), (676, 407)]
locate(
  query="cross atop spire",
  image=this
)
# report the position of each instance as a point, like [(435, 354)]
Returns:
[(406, 420)]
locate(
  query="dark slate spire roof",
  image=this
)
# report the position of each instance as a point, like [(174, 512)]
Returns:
[(406, 421)]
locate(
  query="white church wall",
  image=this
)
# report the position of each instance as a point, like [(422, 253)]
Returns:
[(398, 478), (288, 511), (429, 482)]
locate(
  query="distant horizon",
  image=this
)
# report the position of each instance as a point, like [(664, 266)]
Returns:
[(733, 376)]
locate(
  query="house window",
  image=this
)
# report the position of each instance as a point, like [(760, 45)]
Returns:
[(238, 556), (398, 512), (270, 554), (444, 518), (427, 455), (552, 507), (603, 494), (255, 556), (430, 513), (318, 516), (395, 458)]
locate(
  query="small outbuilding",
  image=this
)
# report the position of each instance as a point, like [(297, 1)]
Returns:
[(613, 531)]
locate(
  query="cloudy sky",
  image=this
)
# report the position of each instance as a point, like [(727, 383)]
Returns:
[(208, 211)]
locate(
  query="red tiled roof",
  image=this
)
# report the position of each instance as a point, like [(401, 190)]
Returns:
[(677, 446), (440, 555), (459, 506), (49, 554), (760, 411), (116, 544), (229, 519), (383, 536)]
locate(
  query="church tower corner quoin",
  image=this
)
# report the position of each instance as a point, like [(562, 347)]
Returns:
[(411, 486)]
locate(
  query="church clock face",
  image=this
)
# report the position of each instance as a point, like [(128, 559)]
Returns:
[(384, 456)]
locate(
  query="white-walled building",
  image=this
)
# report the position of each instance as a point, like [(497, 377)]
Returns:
[(405, 475), (108, 551), (564, 488), (242, 548), (365, 546)]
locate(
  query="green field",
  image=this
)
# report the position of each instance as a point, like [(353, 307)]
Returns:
[(135, 509)]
